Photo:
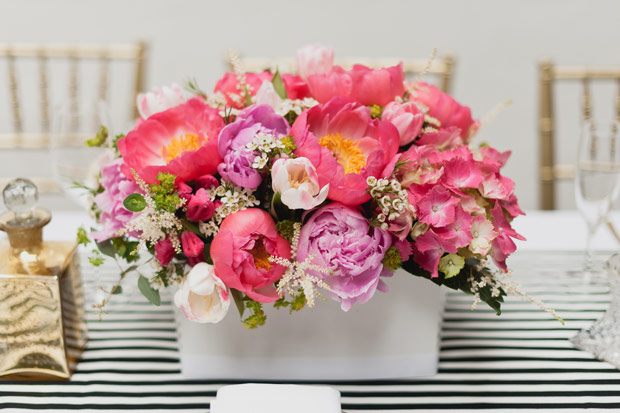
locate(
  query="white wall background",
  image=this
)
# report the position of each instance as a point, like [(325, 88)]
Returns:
[(497, 44)]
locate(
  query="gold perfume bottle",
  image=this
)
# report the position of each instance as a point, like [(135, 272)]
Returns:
[(42, 317)]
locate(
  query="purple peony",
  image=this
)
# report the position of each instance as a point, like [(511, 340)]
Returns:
[(116, 187), (237, 159), (341, 239)]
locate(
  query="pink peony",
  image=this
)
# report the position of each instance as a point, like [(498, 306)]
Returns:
[(407, 117), (345, 146), (240, 253), (314, 59), (377, 86), (341, 239), (237, 159), (229, 86), (181, 141), (455, 119), (160, 99), (116, 187)]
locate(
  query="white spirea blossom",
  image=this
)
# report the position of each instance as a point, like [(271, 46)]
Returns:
[(233, 198)]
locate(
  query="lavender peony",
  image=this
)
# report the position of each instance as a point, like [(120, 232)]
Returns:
[(341, 239), (237, 159), (116, 187)]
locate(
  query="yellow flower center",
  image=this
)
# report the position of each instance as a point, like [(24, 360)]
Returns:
[(347, 153), (180, 144), (261, 256)]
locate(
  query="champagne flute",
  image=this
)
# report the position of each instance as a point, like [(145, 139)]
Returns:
[(76, 160), (597, 181)]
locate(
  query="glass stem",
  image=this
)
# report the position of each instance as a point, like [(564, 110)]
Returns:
[(588, 264)]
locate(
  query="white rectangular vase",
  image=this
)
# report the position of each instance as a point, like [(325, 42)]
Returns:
[(394, 335)]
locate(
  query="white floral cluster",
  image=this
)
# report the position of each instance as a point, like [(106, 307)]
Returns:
[(172, 276), (390, 197), (233, 198), (295, 277), (295, 105), (152, 224), (268, 146)]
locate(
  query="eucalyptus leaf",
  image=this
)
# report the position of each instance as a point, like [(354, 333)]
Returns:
[(117, 290), (134, 203), (149, 292), (278, 85), (106, 248)]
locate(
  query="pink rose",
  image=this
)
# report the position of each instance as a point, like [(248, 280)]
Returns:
[(377, 86), (200, 207), (184, 190), (240, 252), (203, 297), (314, 59), (407, 117), (160, 99), (206, 181), (164, 252), (298, 183), (192, 244)]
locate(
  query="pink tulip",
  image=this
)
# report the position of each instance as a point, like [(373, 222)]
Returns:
[(408, 119), (314, 59), (377, 86), (200, 207), (160, 99), (192, 244), (297, 182), (164, 252), (203, 297)]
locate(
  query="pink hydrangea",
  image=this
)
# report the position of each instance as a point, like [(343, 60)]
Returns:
[(116, 187)]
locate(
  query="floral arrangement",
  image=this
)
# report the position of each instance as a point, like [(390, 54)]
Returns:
[(286, 189)]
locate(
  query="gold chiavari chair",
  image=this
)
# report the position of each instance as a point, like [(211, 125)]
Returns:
[(551, 172), (441, 67), (96, 62)]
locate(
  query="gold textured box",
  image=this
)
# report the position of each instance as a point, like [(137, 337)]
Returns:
[(42, 323)]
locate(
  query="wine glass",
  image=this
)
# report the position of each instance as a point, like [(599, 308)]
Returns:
[(76, 155), (597, 181)]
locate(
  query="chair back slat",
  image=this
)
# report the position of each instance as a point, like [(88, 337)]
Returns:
[(44, 92), (14, 88), (549, 74)]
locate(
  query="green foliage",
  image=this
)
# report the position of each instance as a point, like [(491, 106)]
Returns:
[(164, 194), (100, 138), (106, 248), (278, 85), (461, 281), (149, 292), (82, 236), (291, 116), (392, 259), (134, 203), (296, 304), (286, 228), (289, 145), (451, 265), (115, 143), (96, 259), (376, 111), (257, 317), (191, 85), (127, 250), (238, 297), (117, 290)]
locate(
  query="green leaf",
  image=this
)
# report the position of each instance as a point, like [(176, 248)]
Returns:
[(238, 297), (149, 292), (278, 85), (451, 265), (129, 269), (100, 138), (134, 203), (96, 259), (106, 248), (82, 236), (117, 290)]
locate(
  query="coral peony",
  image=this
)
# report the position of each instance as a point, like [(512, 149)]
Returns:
[(240, 253), (346, 146), (181, 141)]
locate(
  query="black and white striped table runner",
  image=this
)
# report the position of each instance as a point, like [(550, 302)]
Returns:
[(517, 362)]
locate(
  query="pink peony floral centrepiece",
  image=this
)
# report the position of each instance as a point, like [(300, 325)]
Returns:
[(284, 188)]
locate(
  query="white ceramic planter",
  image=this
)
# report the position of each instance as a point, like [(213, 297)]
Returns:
[(394, 335)]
